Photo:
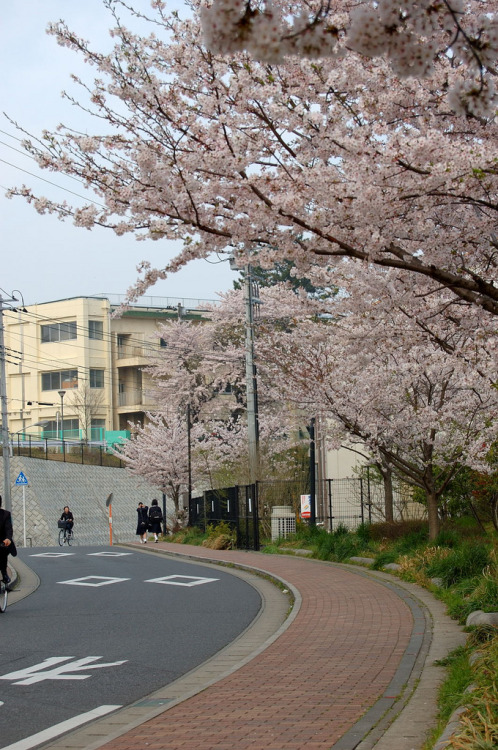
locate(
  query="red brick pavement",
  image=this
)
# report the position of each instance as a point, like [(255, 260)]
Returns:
[(308, 687)]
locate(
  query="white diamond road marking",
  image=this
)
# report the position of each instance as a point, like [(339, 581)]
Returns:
[(53, 554), (93, 581), (187, 580), (40, 672), (109, 554)]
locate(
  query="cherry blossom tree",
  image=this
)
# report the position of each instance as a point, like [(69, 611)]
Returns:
[(200, 417), (412, 35), (157, 453), (380, 377), (311, 161), (202, 369)]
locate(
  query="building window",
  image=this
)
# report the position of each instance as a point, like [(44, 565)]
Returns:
[(95, 329), (62, 380), (97, 429), (163, 343), (96, 378), (58, 331), (53, 429)]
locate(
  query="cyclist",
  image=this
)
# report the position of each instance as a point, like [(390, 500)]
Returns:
[(8, 547), (68, 517)]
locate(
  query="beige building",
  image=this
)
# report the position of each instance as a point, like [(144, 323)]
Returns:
[(73, 369)]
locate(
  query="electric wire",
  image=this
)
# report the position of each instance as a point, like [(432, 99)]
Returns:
[(31, 174)]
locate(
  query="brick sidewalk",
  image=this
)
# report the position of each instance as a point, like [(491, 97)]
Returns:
[(310, 686)]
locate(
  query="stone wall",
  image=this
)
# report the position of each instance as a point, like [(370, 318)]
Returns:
[(53, 484)]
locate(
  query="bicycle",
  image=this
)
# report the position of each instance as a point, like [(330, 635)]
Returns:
[(66, 536), (4, 593)]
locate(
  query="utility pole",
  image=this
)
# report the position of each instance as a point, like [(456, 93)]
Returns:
[(251, 383), (5, 424), (189, 457), (311, 430)]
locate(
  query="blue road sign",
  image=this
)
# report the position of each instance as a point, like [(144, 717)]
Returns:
[(21, 479)]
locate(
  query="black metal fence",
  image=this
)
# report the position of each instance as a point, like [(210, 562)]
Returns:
[(270, 508), (68, 451), (236, 506)]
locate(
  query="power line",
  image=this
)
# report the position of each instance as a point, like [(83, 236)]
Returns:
[(49, 182)]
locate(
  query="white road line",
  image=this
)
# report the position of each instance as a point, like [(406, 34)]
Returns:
[(93, 581), (58, 729), (186, 580)]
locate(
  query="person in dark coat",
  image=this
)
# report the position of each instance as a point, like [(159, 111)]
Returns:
[(143, 519), (6, 538), (155, 519), (68, 517)]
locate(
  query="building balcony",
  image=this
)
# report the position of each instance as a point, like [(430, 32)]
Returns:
[(135, 354), (133, 397)]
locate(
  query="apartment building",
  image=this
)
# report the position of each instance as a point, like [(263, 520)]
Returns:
[(75, 370)]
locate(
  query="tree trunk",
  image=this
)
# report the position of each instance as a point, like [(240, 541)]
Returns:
[(432, 514), (388, 494)]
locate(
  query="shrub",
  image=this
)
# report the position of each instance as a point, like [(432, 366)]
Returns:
[(325, 548), (345, 547), (398, 529), (220, 536), (188, 535), (485, 594), (414, 567), (411, 541), (466, 561), (447, 538), (363, 533), (383, 558)]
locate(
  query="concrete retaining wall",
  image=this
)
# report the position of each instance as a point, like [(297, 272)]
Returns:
[(53, 484)]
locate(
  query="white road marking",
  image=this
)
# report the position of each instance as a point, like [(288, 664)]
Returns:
[(31, 675), (58, 729), (108, 554), (93, 581), (187, 580), (53, 554)]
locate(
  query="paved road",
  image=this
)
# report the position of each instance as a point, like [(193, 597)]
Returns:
[(107, 628)]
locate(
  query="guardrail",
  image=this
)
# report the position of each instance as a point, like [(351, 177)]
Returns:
[(95, 453)]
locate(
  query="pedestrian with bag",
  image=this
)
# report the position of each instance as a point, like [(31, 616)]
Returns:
[(142, 523), (155, 519)]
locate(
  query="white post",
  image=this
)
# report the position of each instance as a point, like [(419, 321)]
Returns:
[(24, 511)]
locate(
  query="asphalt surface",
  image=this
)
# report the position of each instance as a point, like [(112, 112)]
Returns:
[(105, 627)]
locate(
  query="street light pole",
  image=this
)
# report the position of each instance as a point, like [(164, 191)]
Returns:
[(62, 394)]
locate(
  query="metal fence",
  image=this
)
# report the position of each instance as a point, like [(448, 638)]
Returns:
[(236, 506), (254, 511), (68, 451)]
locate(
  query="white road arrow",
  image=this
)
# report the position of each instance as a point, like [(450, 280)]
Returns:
[(36, 674)]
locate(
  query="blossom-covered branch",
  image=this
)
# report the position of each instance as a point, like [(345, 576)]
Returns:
[(413, 35)]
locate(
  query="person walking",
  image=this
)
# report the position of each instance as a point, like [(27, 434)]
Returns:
[(6, 540), (155, 519), (143, 518)]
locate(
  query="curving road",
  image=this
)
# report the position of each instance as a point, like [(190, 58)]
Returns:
[(106, 628)]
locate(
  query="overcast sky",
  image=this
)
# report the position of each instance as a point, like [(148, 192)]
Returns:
[(42, 257)]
